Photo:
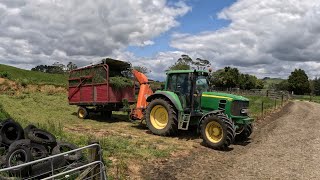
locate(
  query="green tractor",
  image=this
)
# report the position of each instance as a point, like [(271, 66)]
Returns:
[(186, 101)]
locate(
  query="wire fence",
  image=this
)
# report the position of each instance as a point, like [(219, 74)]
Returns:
[(55, 166), (262, 101)]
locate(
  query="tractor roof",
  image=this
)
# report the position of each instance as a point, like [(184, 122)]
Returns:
[(185, 71)]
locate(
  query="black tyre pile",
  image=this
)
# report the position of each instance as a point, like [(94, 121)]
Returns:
[(20, 146)]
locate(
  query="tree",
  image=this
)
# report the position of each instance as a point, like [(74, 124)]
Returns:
[(71, 66), (282, 86), (142, 69), (316, 86), (183, 63), (231, 78), (201, 63), (226, 78), (298, 82)]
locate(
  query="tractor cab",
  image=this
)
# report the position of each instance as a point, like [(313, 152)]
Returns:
[(188, 85)]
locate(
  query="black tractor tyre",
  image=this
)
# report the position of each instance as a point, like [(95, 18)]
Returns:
[(38, 151), (64, 147), (19, 143), (11, 131), (83, 113), (171, 126), (245, 134), (18, 156), (28, 129), (226, 126), (42, 137), (43, 169)]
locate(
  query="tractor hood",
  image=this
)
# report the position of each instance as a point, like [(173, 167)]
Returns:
[(226, 96)]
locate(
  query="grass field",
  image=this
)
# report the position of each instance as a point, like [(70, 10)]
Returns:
[(256, 105), (33, 77), (308, 98), (125, 143)]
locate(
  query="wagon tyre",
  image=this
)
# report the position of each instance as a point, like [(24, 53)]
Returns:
[(161, 118), (217, 131), (245, 134), (83, 113)]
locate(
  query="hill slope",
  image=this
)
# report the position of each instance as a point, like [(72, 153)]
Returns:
[(268, 82), (33, 77)]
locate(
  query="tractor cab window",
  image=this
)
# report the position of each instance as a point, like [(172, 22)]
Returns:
[(201, 84), (179, 83)]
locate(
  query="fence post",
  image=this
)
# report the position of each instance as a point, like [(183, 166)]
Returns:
[(281, 100), (262, 109), (275, 103), (267, 93), (94, 155)]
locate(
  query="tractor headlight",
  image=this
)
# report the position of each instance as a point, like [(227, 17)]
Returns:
[(244, 111)]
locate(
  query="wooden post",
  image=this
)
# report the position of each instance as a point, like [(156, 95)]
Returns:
[(282, 100), (275, 103), (94, 156), (310, 97)]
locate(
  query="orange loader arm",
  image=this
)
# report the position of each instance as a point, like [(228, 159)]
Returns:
[(144, 92)]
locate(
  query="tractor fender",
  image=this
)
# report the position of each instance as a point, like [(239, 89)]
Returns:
[(171, 96), (215, 112)]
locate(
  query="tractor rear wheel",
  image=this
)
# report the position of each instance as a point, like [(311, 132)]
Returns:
[(83, 113), (217, 131), (244, 135), (161, 117)]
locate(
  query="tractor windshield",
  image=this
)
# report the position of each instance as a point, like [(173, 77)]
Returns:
[(202, 84)]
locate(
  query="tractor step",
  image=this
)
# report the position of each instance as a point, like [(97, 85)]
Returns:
[(184, 123)]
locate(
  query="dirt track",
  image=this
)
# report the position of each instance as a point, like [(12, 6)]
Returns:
[(284, 146)]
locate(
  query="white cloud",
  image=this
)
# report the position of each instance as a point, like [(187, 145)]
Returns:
[(264, 37), (37, 31)]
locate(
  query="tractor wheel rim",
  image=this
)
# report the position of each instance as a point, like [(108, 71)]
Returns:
[(159, 117), (214, 132), (81, 113)]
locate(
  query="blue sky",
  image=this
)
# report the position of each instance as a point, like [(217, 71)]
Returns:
[(202, 17)]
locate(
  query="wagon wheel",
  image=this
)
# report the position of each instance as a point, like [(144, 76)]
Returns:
[(83, 113)]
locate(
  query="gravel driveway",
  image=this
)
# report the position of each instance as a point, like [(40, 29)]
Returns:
[(284, 146)]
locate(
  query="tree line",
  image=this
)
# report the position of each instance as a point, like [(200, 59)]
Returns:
[(298, 82), (55, 68)]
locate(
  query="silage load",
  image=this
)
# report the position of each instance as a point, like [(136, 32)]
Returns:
[(119, 82)]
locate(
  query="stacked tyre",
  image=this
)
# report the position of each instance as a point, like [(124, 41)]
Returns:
[(20, 146)]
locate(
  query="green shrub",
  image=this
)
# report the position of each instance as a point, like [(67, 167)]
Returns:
[(4, 75)]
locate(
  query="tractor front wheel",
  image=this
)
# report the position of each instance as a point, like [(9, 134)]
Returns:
[(217, 131), (161, 118), (83, 113), (244, 135)]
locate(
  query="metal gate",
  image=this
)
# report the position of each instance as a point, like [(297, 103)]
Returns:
[(91, 167)]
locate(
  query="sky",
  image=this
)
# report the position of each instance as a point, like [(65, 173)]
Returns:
[(266, 38)]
